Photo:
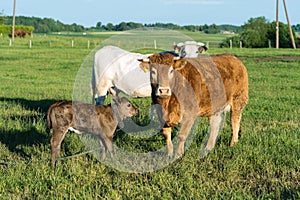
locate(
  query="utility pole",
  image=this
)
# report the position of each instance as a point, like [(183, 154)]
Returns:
[(277, 25), (289, 24), (13, 23)]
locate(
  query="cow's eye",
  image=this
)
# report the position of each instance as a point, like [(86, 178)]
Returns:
[(129, 105)]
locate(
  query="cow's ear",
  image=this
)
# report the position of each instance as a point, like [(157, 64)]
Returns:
[(176, 49), (179, 64), (202, 49), (144, 65)]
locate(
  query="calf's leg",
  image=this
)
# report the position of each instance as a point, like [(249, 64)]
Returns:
[(55, 142)]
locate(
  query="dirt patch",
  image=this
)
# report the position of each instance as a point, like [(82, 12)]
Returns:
[(279, 58)]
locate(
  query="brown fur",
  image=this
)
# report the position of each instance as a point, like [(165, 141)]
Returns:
[(101, 121), (19, 33), (200, 87)]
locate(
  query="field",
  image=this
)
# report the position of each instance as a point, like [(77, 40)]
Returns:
[(264, 164)]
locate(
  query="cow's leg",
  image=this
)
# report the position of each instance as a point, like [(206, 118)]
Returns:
[(215, 122), (182, 135), (102, 89), (55, 142), (167, 133), (235, 117), (100, 100)]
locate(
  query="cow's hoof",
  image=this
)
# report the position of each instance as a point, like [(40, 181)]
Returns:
[(233, 142)]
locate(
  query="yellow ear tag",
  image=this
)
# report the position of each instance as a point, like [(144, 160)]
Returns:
[(145, 70)]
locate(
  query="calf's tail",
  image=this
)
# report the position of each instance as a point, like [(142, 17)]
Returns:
[(50, 118)]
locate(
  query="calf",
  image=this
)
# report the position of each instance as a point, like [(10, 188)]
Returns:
[(101, 121)]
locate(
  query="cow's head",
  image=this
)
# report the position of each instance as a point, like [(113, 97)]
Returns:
[(162, 68), (190, 49)]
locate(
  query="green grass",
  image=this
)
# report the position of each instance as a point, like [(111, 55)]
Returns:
[(265, 163)]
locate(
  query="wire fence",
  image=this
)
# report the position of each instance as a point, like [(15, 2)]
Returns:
[(86, 42)]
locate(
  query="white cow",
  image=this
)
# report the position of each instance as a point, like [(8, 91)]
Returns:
[(189, 49), (115, 67)]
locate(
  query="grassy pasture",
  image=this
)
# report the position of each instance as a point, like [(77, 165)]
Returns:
[(265, 164)]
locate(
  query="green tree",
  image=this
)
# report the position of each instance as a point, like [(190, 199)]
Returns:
[(2, 17), (284, 35), (109, 27), (255, 32), (98, 25)]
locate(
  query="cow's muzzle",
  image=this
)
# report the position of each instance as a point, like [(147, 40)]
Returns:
[(163, 92)]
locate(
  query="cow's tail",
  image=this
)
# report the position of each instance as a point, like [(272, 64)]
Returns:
[(50, 118)]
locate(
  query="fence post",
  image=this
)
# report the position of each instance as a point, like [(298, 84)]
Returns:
[(230, 44), (72, 43), (241, 44), (30, 44), (9, 43), (88, 44), (270, 44), (154, 44)]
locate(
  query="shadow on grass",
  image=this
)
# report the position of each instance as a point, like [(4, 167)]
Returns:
[(18, 140), (38, 105)]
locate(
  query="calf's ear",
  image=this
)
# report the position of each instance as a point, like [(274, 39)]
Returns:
[(144, 65), (114, 95)]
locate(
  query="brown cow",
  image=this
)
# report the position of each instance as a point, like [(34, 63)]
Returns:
[(188, 88), (19, 33), (101, 121)]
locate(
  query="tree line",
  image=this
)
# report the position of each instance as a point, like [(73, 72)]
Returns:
[(47, 25), (43, 25), (260, 33), (255, 33)]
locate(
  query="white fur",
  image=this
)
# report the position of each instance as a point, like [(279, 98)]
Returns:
[(75, 131), (116, 67)]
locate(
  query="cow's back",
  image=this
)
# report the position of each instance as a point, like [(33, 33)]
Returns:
[(121, 69), (217, 80), (235, 77)]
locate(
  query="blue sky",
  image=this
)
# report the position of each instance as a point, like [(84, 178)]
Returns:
[(181, 12)]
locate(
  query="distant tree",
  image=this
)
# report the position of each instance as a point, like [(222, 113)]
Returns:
[(98, 25), (2, 17), (212, 29), (284, 35), (255, 32), (109, 27), (235, 42), (296, 27)]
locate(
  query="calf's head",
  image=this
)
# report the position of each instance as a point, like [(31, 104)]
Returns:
[(124, 106), (162, 68)]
